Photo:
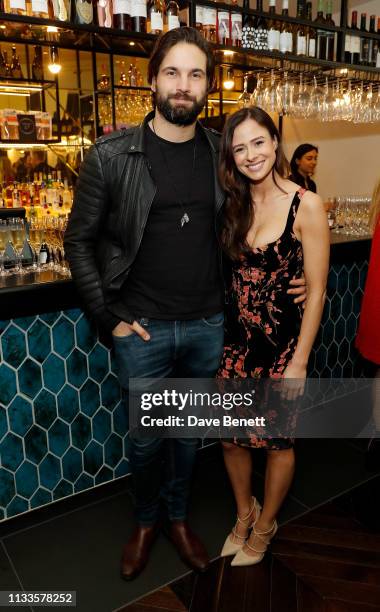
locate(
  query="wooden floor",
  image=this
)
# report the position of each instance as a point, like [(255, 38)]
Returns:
[(326, 561)]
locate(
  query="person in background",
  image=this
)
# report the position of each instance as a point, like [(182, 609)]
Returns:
[(6, 171), (303, 164), (368, 336), (24, 168), (273, 229), (40, 164)]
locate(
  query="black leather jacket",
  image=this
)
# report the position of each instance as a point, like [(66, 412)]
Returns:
[(112, 200)]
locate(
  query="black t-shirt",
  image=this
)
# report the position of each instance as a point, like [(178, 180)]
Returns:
[(176, 273)]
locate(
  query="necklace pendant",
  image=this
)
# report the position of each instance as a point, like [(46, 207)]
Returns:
[(185, 219)]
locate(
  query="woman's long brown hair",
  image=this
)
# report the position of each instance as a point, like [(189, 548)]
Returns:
[(238, 212)]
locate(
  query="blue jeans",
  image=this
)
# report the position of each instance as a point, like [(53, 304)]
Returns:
[(162, 468)]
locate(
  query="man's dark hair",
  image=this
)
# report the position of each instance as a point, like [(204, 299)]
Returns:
[(187, 35)]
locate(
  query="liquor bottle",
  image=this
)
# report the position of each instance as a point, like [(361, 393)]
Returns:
[(62, 10), (172, 15), (273, 28), (321, 34), (7, 66), (122, 14), (104, 12), (16, 70), (364, 41), (286, 33), (209, 23), (247, 37), (84, 12), (3, 65), (311, 33), (139, 15), (330, 42), (299, 42), (199, 18), (37, 65), (236, 26), (44, 256), (41, 8), (16, 7), (355, 40), (373, 43), (261, 29), (156, 17), (223, 27)]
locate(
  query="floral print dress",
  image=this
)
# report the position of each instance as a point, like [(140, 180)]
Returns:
[(262, 320)]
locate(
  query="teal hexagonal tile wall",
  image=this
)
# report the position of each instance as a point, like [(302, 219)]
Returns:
[(62, 423), (58, 392)]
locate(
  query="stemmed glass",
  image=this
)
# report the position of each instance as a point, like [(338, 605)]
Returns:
[(257, 98), (271, 95), (36, 235), (18, 232), (4, 239), (316, 100), (301, 101), (244, 100), (285, 90)]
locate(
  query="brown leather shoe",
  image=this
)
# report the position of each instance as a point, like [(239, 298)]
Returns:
[(189, 546), (136, 551)]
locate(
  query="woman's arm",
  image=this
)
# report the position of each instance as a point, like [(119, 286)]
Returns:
[(311, 225)]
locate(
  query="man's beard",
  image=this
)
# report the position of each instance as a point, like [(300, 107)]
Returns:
[(180, 115)]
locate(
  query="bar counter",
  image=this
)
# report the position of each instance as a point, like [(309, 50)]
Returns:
[(62, 425)]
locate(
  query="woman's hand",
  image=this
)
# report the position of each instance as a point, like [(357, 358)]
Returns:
[(295, 376)]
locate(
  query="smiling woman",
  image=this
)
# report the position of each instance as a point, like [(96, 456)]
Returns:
[(273, 229)]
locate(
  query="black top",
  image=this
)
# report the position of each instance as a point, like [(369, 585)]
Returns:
[(306, 183), (176, 273)]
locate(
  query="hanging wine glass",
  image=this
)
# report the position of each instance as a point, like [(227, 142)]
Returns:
[(301, 101), (270, 97), (257, 97), (285, 92), (316, 100), (244, 100)]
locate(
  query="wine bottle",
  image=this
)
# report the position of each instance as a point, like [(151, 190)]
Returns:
[(139, 15), (299, 42), (16, 7), (104, 12), (311, 33), (3, 65), (355, 40), (172, 15), (330, 36), (122, 15), (41, 8), (364, 41), (261, 29), (247, 37), (84, 12), (209, 23), (321, 34), (199, 18), (286, 33), (273, 28), (156, 17), (61, 10), (236, 26), (373, 43), (223, 28), (15, 68)]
